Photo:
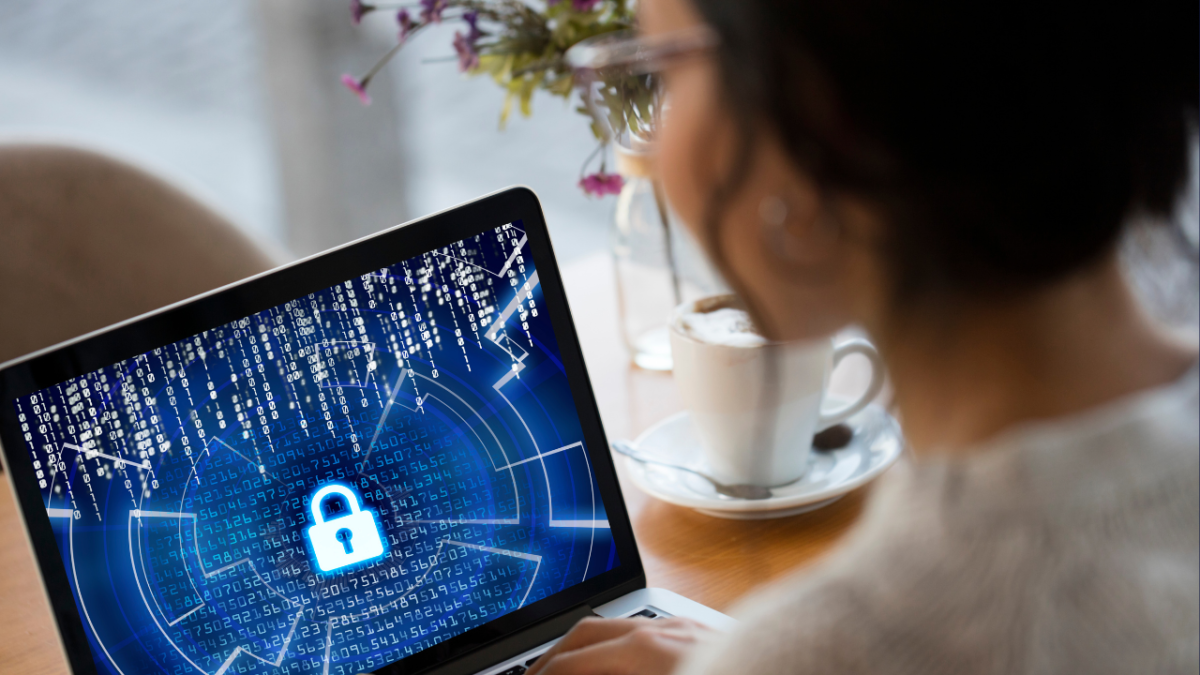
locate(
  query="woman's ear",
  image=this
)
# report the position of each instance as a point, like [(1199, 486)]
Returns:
[(793, 249), (797, 228), (794, 223)]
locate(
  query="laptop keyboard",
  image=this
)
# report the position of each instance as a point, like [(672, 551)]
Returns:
[(522, 667)]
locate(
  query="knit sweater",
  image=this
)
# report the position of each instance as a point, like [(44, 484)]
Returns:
[(1068, 546)]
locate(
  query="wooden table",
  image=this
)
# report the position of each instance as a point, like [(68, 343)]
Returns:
[(708, 559)]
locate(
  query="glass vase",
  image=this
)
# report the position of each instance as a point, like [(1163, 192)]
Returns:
[(658, 264)]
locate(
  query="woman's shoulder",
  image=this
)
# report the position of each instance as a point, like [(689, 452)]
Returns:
[(1135, 457)]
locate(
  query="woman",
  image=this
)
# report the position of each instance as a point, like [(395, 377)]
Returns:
[(952, 176)]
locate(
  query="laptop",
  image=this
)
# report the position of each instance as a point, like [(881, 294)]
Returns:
[(383, 458)]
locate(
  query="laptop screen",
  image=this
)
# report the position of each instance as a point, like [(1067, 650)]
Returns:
[(330, 485)]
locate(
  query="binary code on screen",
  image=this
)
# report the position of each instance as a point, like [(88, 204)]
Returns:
[(179, 482)]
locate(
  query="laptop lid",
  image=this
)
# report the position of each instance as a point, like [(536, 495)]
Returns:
[(378, 459)]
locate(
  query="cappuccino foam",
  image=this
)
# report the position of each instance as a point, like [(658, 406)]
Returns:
[(726, 326)]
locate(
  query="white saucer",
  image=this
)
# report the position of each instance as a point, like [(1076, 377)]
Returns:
[(876, 445)]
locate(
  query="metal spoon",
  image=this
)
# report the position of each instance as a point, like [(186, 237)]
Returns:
[(737, 491)]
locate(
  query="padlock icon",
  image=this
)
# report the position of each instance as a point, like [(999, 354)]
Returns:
[(344, 540)]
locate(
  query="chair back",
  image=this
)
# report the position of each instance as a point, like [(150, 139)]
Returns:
[(87, 241)]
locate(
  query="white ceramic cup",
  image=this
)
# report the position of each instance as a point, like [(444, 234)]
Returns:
[(748, 435)]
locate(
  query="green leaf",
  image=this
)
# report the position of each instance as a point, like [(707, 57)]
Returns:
[(505, 110)]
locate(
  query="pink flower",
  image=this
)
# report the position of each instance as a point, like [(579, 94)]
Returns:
[(358, 10), (472, 19), (359, 89), (468, 59), (406, 24), (431, 10), (600, 184)]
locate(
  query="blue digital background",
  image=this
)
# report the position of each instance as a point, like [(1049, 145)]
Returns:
[(178, 482)]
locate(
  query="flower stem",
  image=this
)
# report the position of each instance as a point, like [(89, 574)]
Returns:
[(380, 64), (388, 56), (669, 248), (544, 64), (586, 162)]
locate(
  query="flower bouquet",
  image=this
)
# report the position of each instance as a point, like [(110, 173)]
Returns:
[(522, 47), (584, 46)]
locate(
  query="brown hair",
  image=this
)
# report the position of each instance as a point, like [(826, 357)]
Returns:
[(1006, 144)]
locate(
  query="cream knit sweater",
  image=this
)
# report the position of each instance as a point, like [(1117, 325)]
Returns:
[(1071, 546)]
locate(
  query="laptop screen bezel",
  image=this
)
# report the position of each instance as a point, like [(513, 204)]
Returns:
[(183, 320)]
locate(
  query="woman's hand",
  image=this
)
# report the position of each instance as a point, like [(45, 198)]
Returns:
[(622, 647)]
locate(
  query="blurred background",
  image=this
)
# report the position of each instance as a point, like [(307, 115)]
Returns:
[(239, 103)]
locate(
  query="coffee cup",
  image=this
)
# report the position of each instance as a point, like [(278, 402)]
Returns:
[(756, 404)]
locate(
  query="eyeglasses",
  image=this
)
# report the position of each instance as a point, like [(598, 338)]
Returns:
[(619, 76)]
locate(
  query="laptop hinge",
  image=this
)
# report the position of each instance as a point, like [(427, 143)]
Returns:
[(506, 648)]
